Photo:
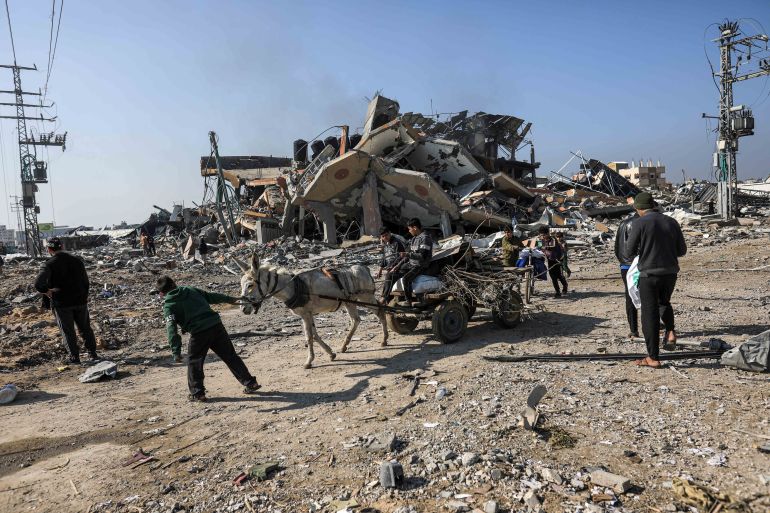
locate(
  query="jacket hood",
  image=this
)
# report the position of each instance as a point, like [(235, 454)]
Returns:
[(176, 294)]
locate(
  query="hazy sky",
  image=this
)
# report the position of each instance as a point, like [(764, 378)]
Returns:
[(139, 84)]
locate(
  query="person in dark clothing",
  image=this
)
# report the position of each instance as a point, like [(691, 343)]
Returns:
[(203, 250), (561, 241), (392, 246), (659, 242), (554, 254), (65, 282), (416, 260), (626, 258), (189, 308)]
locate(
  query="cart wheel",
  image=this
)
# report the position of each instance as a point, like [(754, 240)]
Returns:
[(401, 324), (510, 315), (450, 321)]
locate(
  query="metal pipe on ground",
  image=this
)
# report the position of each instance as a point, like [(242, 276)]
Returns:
[(681, 355)]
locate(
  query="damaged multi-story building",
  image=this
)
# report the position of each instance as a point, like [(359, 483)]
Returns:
[(456, 174)]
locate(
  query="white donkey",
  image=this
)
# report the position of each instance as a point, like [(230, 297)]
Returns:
[(306, 294)]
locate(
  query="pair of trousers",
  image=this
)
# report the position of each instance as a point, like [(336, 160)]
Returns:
[(555, 272), (408, 276), (655, 292), (216, 339), (67, 318), (387, 286), (631, 313)]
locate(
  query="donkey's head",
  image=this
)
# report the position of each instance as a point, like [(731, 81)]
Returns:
[(250, 289)]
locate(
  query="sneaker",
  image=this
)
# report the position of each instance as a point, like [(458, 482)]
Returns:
[(93, 356), (252, 387), (634, 334), (200, 397), (71, 360), (558, 294), (177, 358)]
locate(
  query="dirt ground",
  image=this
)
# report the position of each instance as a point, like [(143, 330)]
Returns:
[(62, 443)]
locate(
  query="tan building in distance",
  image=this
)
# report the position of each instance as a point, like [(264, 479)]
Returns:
[(647, 175)]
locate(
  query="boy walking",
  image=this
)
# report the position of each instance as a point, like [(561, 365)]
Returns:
[(554, 254), (189, 308)]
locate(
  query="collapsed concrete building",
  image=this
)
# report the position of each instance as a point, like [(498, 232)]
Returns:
[(454, 175)]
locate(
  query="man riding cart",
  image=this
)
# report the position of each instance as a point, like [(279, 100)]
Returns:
[(448, 286)]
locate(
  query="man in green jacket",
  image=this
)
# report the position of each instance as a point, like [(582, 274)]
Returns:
[(511, 246), (189, 308)]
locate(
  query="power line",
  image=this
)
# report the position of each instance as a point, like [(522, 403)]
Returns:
[(50, 41), (13, 47), (55, 44)]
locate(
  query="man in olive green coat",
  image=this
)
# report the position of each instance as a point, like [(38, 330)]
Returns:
[(189, 308)]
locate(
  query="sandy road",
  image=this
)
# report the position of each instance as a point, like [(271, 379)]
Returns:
[(62, 442)]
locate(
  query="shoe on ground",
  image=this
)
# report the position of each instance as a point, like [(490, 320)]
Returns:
[(200, 397), (94, 356), (71, 361), (177, 358), (634, 334), (558, 294), (252, 388)]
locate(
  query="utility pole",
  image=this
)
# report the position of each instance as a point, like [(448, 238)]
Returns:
[(33, 171), (734, 121)]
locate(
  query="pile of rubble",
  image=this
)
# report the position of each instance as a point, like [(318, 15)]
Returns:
[(458, 175)]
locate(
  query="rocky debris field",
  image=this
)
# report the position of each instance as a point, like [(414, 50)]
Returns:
[(439, 423)]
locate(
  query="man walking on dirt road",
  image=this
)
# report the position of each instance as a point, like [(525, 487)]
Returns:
[(65, 281), (189, 308), (659, 242)]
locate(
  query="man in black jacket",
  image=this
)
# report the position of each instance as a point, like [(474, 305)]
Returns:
[(659, 242), (626, 257), (64, 280), (417, 258)]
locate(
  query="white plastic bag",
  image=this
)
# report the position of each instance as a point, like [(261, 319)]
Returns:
[(8, 393), (632, 281), (422, 284)]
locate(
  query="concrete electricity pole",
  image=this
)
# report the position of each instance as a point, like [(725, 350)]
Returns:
[(735, 121)]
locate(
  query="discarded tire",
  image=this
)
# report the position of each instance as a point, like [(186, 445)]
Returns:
[(450, 321), (507, 314), (401, 324)]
